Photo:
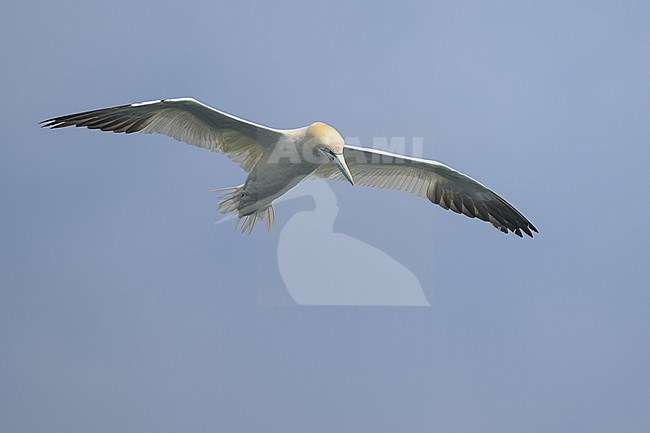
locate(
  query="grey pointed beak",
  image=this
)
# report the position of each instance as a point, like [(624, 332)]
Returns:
[(339, 160)]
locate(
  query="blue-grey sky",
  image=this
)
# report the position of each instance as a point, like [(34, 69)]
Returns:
[(124, 308)]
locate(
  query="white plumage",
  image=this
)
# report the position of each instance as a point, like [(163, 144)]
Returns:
[(277, 160)]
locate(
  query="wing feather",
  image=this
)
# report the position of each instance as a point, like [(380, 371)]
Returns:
[(184, 119), (439, 183)]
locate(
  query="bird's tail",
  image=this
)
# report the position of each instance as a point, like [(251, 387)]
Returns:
[(229, 204)]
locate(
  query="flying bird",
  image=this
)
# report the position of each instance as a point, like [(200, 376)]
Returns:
[(278, 159)]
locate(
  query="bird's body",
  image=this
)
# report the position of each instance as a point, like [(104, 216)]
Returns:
[(286, 163), (277, 160), (277, 171)]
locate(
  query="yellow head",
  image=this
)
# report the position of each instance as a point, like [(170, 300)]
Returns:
[(322, 135), (327, 140)]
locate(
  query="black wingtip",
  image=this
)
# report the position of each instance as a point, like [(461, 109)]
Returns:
[(50, 123)]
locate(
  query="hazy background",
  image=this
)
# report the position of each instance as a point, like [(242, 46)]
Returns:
[(123, 308)]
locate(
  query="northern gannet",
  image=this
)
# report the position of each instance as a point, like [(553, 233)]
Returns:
[(278, 159)]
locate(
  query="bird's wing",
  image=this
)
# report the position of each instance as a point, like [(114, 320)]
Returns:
[(184, 119), (442, 185)]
